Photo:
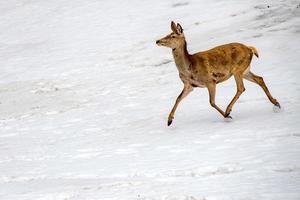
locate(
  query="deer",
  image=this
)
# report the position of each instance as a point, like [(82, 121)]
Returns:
[(208, 68)]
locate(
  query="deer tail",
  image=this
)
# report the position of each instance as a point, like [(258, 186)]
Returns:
[(253, 50)]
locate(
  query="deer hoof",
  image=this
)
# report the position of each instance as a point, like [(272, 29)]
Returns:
[(169, 122), (227, 115), (276, 108), (228, 118)]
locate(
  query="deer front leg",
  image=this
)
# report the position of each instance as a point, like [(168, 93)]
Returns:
[(186, 90), (212, 94)]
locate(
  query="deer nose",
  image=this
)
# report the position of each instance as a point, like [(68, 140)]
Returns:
[(157, 41)]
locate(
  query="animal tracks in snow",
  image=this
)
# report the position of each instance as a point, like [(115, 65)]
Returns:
[(285, 169), (206, 171)]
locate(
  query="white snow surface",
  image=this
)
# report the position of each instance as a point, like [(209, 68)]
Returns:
[(85, 94)]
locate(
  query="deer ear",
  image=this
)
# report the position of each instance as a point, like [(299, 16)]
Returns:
[(179, 29), (173, 27)]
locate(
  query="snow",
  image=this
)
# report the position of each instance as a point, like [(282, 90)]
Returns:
[(85, 94)]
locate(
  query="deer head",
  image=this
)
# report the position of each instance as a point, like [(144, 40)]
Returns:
[(173, 40)]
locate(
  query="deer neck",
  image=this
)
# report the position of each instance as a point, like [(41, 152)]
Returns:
[(182, 60)]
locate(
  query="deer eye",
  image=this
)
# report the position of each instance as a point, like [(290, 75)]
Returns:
[(173, 36)]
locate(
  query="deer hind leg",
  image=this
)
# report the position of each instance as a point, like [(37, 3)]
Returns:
[(240, 89), (212, 94), (260, 81), (186, 90)]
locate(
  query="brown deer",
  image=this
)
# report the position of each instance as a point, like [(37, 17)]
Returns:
[(208, 68)]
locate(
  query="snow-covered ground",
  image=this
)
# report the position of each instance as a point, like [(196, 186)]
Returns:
[(85, 94)]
